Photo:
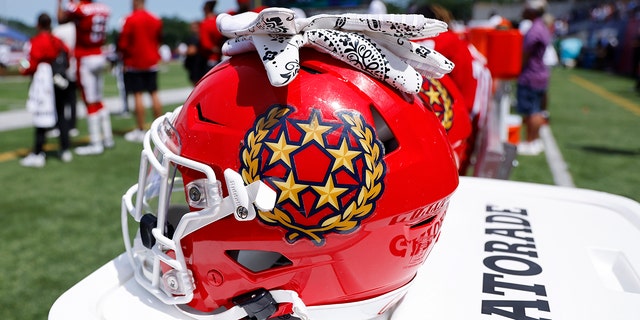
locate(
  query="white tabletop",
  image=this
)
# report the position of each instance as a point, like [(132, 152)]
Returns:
[(507, 250)]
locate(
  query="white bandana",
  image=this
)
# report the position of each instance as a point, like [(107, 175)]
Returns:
[(376, 44)]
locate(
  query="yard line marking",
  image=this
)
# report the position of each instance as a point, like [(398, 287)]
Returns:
[(557, 165), (47, 147), (14, 154), (624, 103), (10, 155)]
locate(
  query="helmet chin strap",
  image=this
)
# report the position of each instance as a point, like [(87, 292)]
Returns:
[(259, 305), (262, 304)]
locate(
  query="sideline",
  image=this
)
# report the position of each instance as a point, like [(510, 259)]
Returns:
[(18, 119), (559, 168), (23, 152), (557, 165), (604, 93)]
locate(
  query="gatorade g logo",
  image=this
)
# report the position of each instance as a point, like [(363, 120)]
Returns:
[(328, 173)]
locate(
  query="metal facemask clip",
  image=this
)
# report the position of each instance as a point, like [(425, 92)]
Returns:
[(244, 197), (204, 193)]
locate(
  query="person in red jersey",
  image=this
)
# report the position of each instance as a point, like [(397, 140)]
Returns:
[(90, 19), (138, 43), (211, 39), (43, 48)]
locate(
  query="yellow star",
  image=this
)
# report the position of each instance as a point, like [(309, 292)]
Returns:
[(329, 194), (344, 156), (314, 131), (433, 95), (281, 150), (290, 189)]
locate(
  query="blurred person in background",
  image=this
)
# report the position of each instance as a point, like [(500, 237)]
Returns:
[(210, 39), (550, 57), (115, 60), (193, 62), (90, 19), (5, 50), (533, 81), (43, 49), (139, 44), (67, 33)]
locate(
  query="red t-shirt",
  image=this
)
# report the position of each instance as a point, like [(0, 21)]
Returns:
[(44, 48), (210, 39), (140, 40), (91, 26), (456, 50)]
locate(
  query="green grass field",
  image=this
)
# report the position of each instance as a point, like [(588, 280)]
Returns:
[(595, 119), (61, 222)]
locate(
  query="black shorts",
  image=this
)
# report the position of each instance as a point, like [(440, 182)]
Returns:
[(140, 81)]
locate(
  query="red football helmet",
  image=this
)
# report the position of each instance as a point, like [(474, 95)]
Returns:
[(445, 99), (325, 195)]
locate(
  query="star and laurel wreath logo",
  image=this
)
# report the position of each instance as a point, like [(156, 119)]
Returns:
[(437, 96), (328, 174)]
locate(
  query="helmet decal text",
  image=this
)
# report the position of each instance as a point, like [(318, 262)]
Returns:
[(328, 173)]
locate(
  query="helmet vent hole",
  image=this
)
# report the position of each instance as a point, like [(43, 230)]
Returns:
[(310, 69), (201, 116), (423, 222), (258, 261), (385, 134)]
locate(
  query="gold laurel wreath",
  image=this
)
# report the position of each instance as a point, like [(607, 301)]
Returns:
[(358, 209), (447, 119), (251, 151)]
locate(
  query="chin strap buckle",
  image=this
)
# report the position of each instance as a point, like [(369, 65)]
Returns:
[(258, 305)]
